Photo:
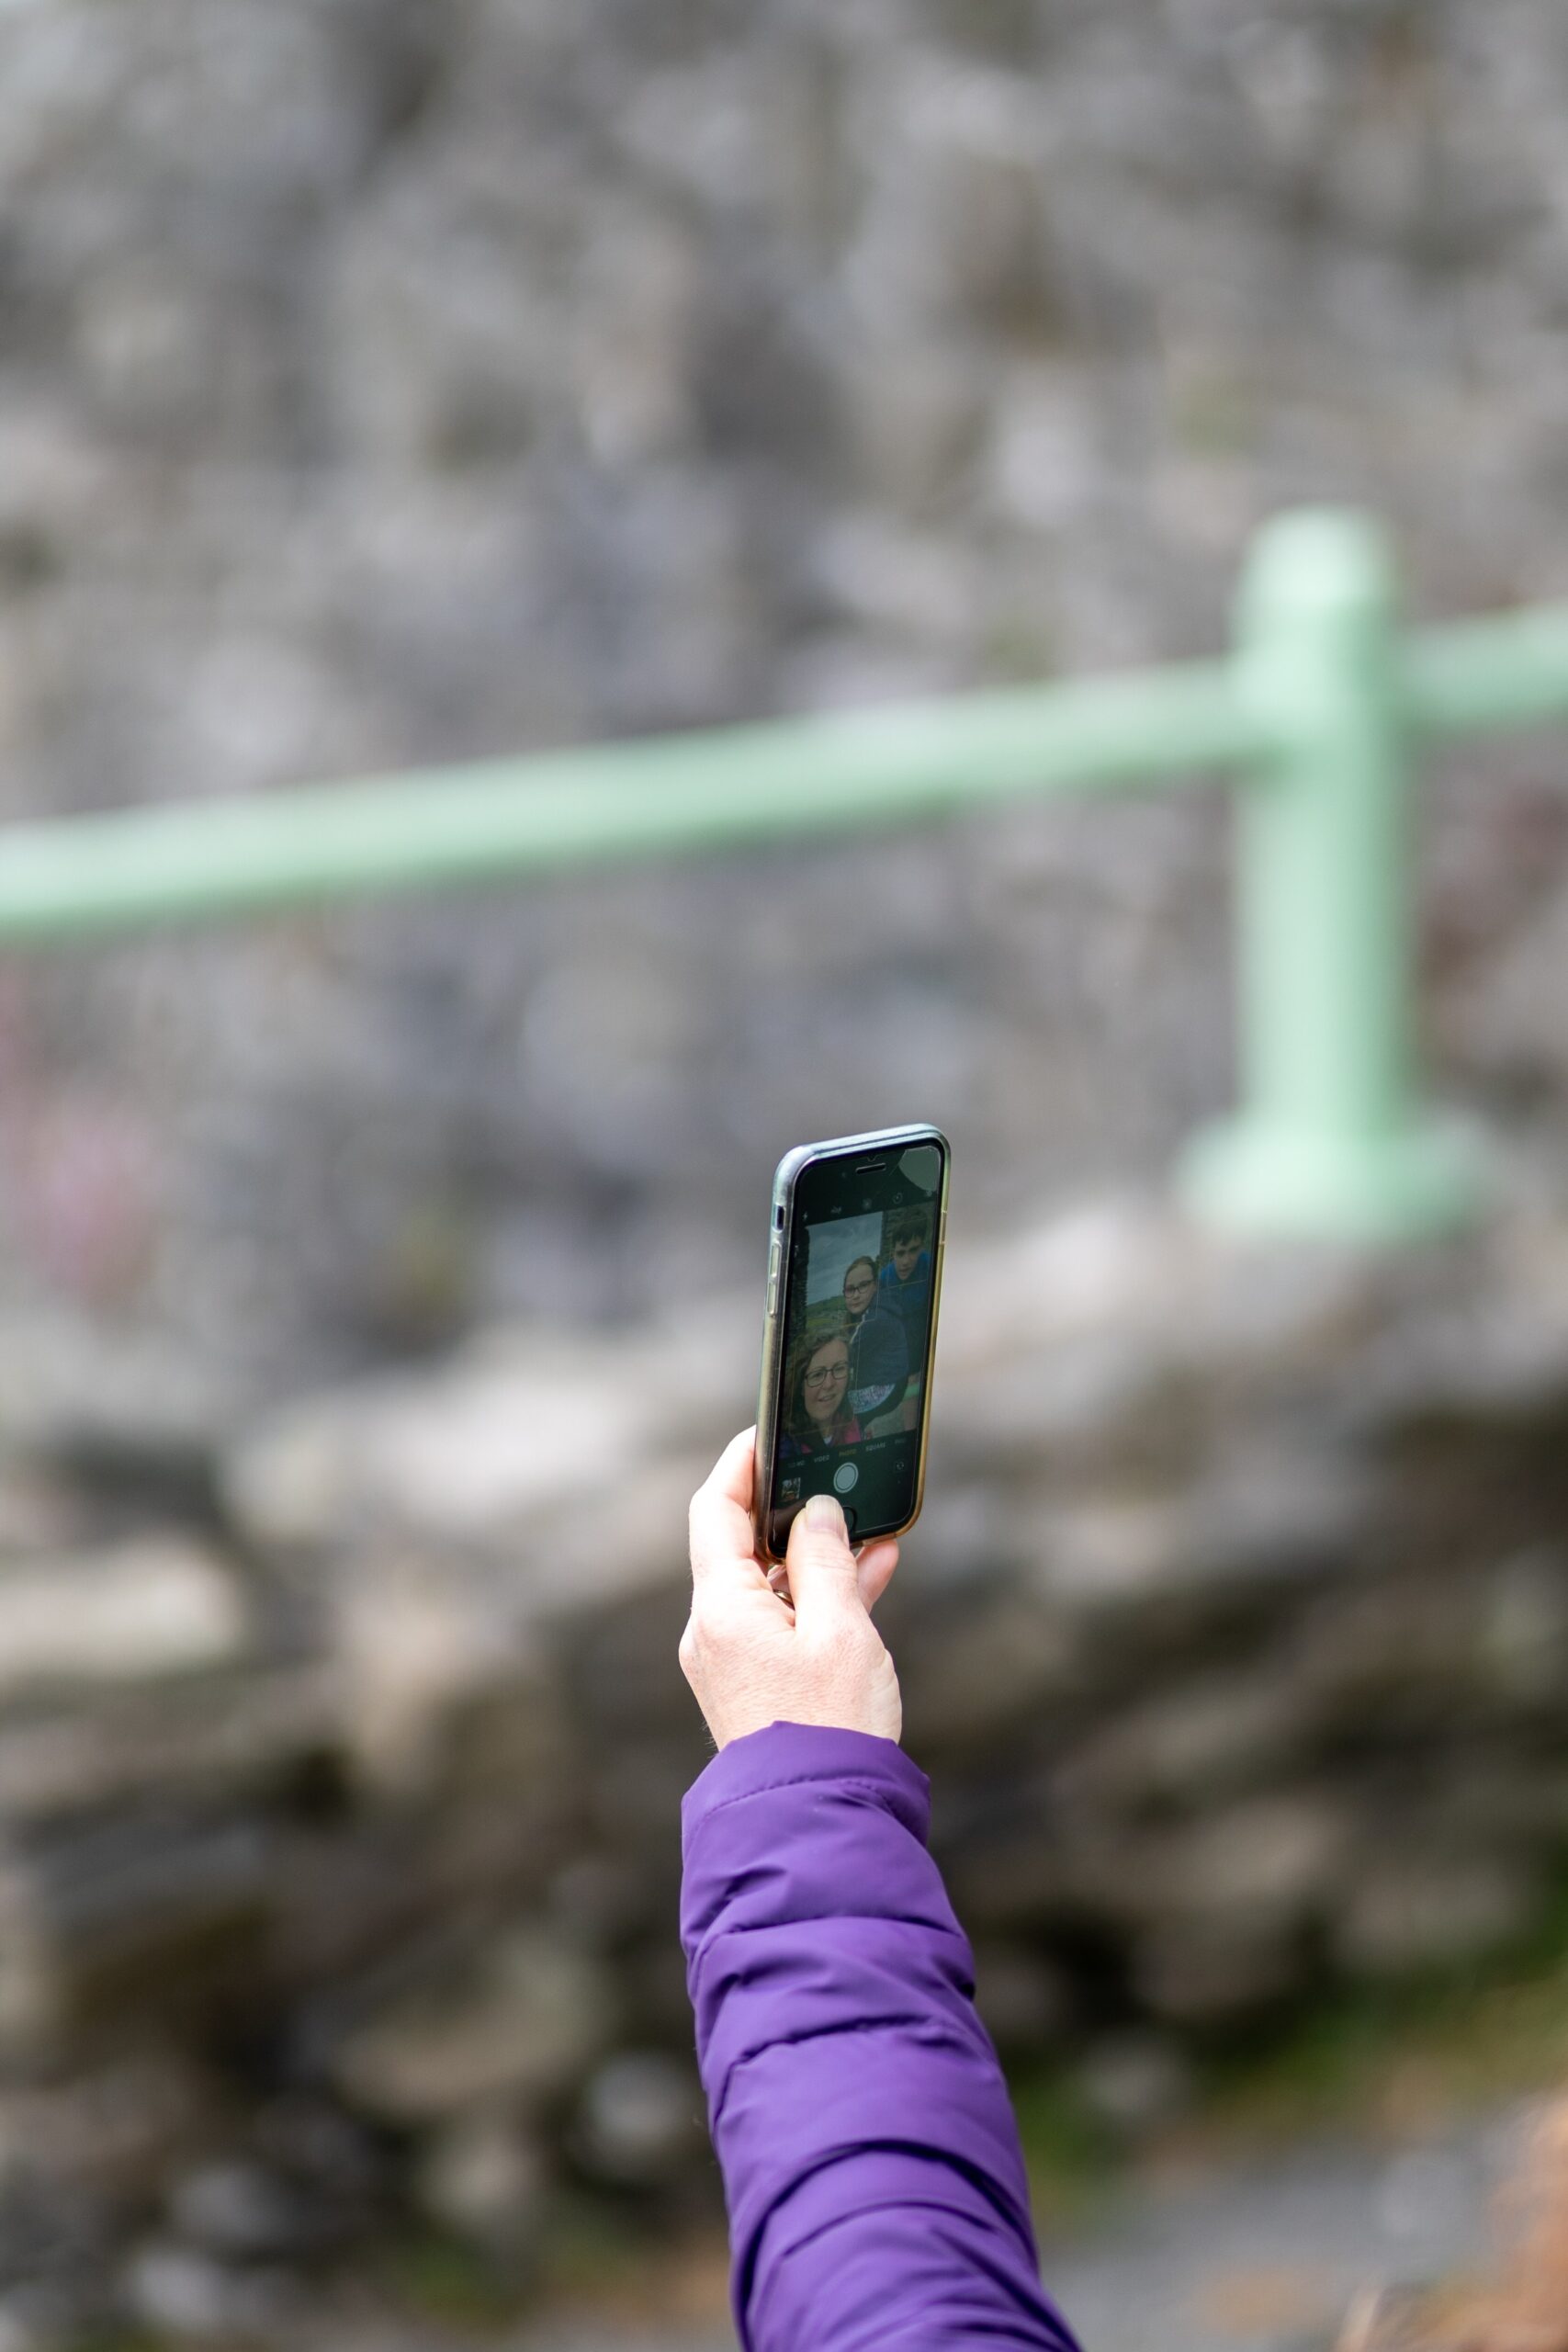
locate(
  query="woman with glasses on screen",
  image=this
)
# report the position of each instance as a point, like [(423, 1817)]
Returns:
[(817, 1414)]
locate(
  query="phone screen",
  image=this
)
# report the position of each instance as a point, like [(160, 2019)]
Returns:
[(859, 1279)]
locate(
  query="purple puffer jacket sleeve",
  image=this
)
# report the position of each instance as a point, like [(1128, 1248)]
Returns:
[(871, 2162)]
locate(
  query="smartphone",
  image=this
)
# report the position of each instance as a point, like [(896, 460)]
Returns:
[(854, 1284)]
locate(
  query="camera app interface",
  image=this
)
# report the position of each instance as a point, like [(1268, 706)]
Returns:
[(858, 1338)]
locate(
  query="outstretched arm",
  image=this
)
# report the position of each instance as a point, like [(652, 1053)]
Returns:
[(871, 2162)]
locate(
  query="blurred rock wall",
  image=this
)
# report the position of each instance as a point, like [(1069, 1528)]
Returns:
[(341, 1755), (382, 381)]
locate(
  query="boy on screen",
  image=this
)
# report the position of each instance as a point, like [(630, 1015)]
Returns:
[(879, 1352), (904, 1288)]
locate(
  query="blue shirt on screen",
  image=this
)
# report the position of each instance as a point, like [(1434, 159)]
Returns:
[(911, 1301)]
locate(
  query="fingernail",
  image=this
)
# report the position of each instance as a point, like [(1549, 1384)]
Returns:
[(825, 1512)]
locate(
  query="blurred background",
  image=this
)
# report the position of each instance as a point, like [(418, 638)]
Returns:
[(386, 383)]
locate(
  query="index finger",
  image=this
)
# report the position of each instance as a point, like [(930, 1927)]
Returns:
[(722, 1543)]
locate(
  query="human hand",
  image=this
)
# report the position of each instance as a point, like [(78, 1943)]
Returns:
[(753, 1656)]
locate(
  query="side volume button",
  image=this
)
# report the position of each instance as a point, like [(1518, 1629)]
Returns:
[(774, 1255)]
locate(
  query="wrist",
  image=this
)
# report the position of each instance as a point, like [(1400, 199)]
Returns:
[(783, 1753)]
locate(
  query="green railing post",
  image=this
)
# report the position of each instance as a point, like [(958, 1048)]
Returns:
[(1331, 1138)]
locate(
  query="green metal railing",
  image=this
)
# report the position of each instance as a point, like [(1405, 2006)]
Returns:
[(1317, 716)]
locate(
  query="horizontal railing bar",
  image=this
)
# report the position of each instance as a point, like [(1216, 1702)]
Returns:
[(140, 868), (493, 820), (1506, 671)]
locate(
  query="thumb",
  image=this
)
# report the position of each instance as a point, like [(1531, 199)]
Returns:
[(822, 1576)]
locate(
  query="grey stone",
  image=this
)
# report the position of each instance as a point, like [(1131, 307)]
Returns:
[(1135, 2082), (1376, 1657), (1249, 1525), (917, 432), (220, 1734), (1204, 1977), (470, 1458), (106, 2133), (438, 1685), (242, 2211), (1023, 1999), (125, 1920), (969, 1676), (1197, 1744), (953, 230), (1524, 1640), (875, 574), (38, 1512), (1085, 1400), (1411, 1911), (443, 354), (159, 1607), (1514, 1804), (1005, 1859), (1261, 1867), (483, 2175), (1487, 1349), (479, 1455), (181, 2291), (1272, 1861), (523, 2023), (191, 2297), (1147, 1299), (641, 2119), (598, 1897), (122, 1403), (1504, 1021)]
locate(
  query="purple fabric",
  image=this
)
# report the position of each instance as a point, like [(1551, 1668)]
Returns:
[(871, 2162)]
